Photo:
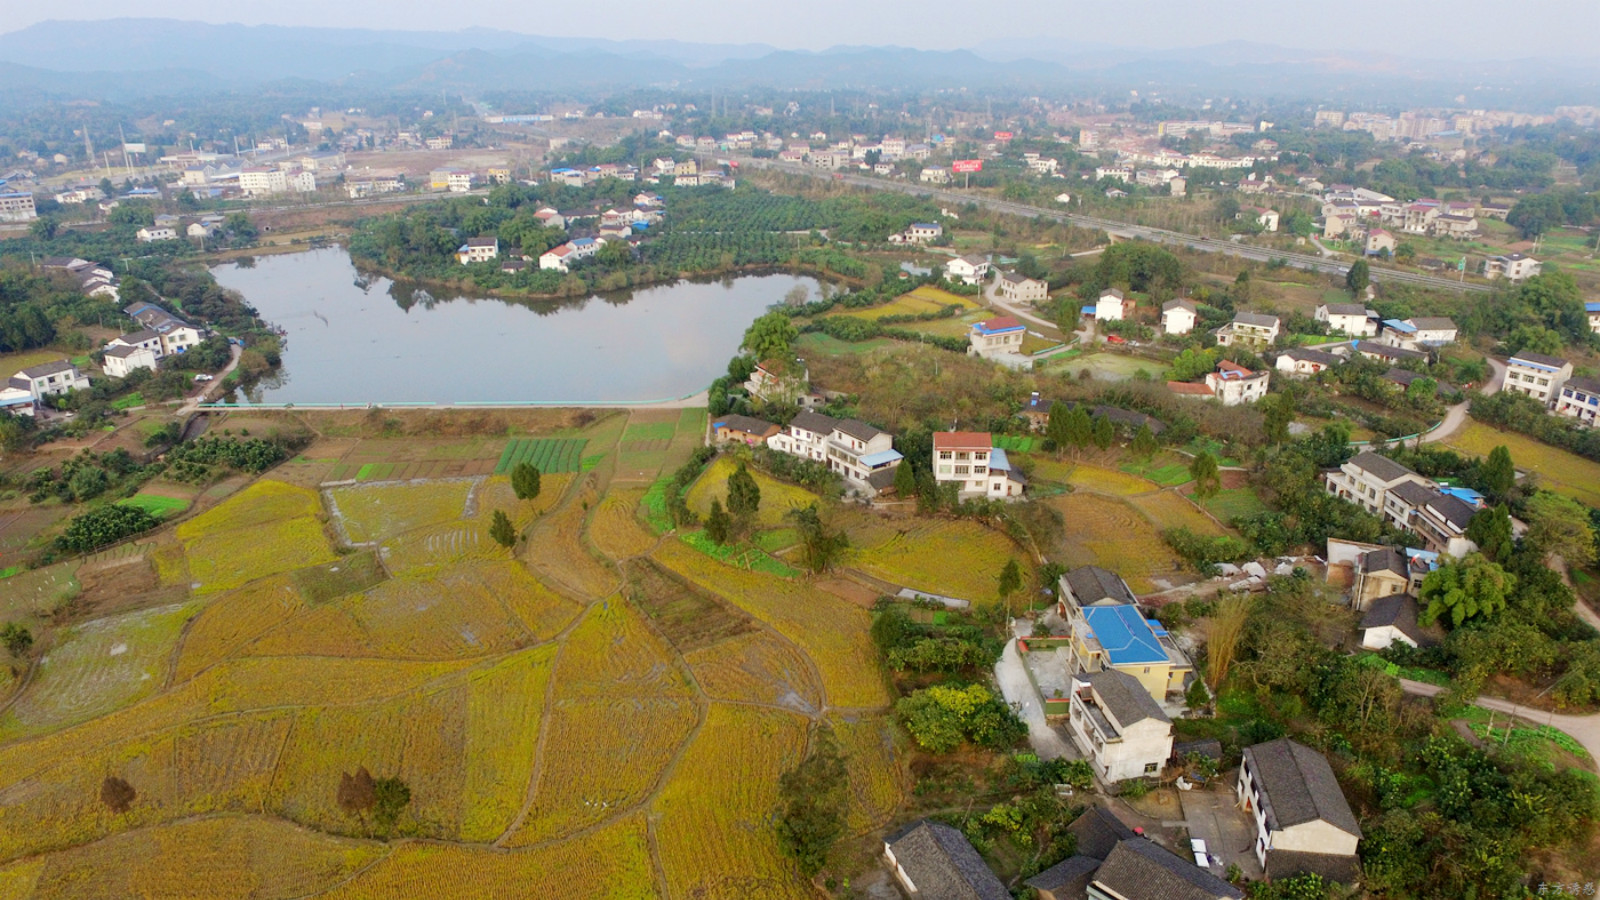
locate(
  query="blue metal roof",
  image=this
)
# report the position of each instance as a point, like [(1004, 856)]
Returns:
[(873, 460), (1592, 306), (999, 460), (1125, 634), (1089, 310), (1398, 325), (979, 328), (1466, 495)]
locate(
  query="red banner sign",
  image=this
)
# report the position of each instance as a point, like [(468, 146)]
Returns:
[(967, 165), (1003, 135)]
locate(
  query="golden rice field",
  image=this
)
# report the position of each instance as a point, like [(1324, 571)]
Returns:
[(95, 668), (957, 558), (777, 497), (556, 550), (267, 528), (1109, 533), (1092, 478), (1170, 509), (712, 831), (1563, 472), (231, 857), (614, 526), (425, 550), (372, 512), (235, 619), (758, 667), (495, 493), (612, 863), (832, 632), (921, 301), (879, 778)]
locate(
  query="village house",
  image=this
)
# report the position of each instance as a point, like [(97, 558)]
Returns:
[(935, 175), (1249, 329), (45, 379), (1116, 173), (1540, 377), (1513, 267), (1380, 242), (1351, 319), (1141, 868), (920, 233), (1303, 821), (265, 181), (932, 861), (17, 401), (1097, 833), (1112, 306), (1304, 363), (1391, 620), (774, 381), (1017, 288), (1037, 413), (562, 257), (746, 430), (378, 184), (17, 206), (1107, 630), (93, 279), (969, 269), (1407, 500), (1178, 316), (1374, 571), (1234, 385), (176, 335), (863, 455), (119, 362), (1591, 308), (1118, 726), (1419, 332), (979, 468), (1366, 480), (996, 337), (1266, 218), (151, 234), (478, 250), (1580, 399), (450, 178), (1387, 353)]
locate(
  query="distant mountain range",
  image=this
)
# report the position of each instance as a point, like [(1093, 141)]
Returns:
[(87, 59)]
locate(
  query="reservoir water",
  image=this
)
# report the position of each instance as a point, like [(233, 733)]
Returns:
[(357, 340)]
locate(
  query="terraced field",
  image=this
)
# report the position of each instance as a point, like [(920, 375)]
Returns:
[(959, 558), (1107, 532)]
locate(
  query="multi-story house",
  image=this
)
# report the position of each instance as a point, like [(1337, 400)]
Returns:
[(45, 379), (1118, 726), (922, 232), (1366, 480), (1580, 399), (136, 350), (1178, 316), (1111, 635), (1375, 571), (979, 468), (999, 336), (969, 269), (1422, 331), (1591, 308), (931, 861), (1302, 362), (1387, 353), (1250, 329), (151, 234), (1234, 385), (1538, 376), (1513, 267), (177, 336), (1380, 242), (17, 206), (863, 455), (1351, 319), (478, 250), (1112, 306), (1302, 820), (1018, 288), (452, 179), (1393, 492)]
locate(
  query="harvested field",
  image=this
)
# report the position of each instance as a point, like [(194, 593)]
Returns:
[(957, 558), (267, 528), (235, 619), (756, 668), (1109, 533), (689, 618), (877, 762), (555, 548), (496, 493), (348, 575), (615, 528), (504, 703), (1169, 509), (424, 550), (1093, 478), (613, 653), (922, 301), (371, 513), (777, 497)]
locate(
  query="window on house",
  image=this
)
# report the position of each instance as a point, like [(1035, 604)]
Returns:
[(962, 470), (1150, 768), (980, 470), (963, 455), (944, 454)]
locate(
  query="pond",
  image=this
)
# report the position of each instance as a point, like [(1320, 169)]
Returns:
[(354, 340)]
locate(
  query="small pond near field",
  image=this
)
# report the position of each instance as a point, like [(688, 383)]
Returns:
[(351, 339)]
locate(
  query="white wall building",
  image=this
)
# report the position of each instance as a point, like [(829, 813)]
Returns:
[(1112, 306), (862, 454), (1178, 316), (1298, 806), (969, 269), (1352, 319), (1538, 376), (1119, 726), (972, 461)]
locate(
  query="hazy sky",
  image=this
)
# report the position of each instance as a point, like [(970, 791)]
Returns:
[(1430, 28)]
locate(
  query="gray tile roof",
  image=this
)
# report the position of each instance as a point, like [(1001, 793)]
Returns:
[(747, 424), (1298, 786), (1381, 467), (1139, 869), (1458, 511), (811, 421), (1332, 867), (1316, 356), (1091, 584), (1554, 362), (1434, 323), (49, 368), (1098, 832), (1398, 611), (1125, 698), (942, 864), (1346, 309), (1388, 352), (1416, 494), (1068, 878), (1260, 320), (122, 351), (1386, 559), (139, 337), (1589, 386), (857, 429), (1179, 304)]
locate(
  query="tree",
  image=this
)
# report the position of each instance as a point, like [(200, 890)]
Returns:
[(1278, 415), (905, 481), (815, 797), (820, 547), (238, 225), (1104, 433), (1473, 588), (104, 525), (942, 716), (1241, 286), (525, 480), (771, 337), (1079, 428), (744, 497), (1056, 430), (117, 794), (1497, 476), (1490, 529), (1223, 632), (501, 529), (1010, 579), (1144, 443), (357, 792), (718, 525), (1358, 277), (1560, 526), (17, 638), (1207, 481), (390, 797), (44, 228)]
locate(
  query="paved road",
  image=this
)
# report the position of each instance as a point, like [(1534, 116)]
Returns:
[(1018, 691), (992, 294), (1310, 262), (1457, 415), (1584, 729), (193, 403)]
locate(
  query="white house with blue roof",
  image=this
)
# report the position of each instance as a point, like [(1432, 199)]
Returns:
[(1537, 375), (1592, 309), (1107, 634), (997, 337)]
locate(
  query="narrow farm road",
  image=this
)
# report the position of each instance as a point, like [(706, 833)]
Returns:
[(992, 294), (1457, 415), (193, 403), (1583, 729)]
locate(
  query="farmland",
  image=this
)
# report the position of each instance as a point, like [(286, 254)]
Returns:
[(598, 699), (959, 558), (1105, 531), (1562, 472)]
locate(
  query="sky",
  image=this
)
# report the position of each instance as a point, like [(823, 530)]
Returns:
[(1491, 29)]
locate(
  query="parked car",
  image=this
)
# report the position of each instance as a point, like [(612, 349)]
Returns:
[(203, 377), (1116, 339), (1197, 846)]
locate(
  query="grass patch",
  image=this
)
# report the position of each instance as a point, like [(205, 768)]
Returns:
[(589, 462), (350, 575), (1162, 470), (1234, 503), (155, 504), (1016, 443), (655, 506), (1413, 673), (740, 557), (128, 402)]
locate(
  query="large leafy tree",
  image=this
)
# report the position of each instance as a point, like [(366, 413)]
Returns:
[(815, 797), (1472, 588), (1497, 475), (525, 480), (771, 337), (744, 497), (1560, 526), (1358, 277), (1491, 530), (1207, 480)]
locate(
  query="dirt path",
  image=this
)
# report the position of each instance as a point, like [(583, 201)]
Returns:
[(193, 403), (992, 294), (1583, 729), (1457, 415)]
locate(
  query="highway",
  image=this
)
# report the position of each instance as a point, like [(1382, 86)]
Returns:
[(1306, 261)]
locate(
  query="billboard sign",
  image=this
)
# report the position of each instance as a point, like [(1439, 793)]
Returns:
[(1003, 135), (134, 148), (967, 165)]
